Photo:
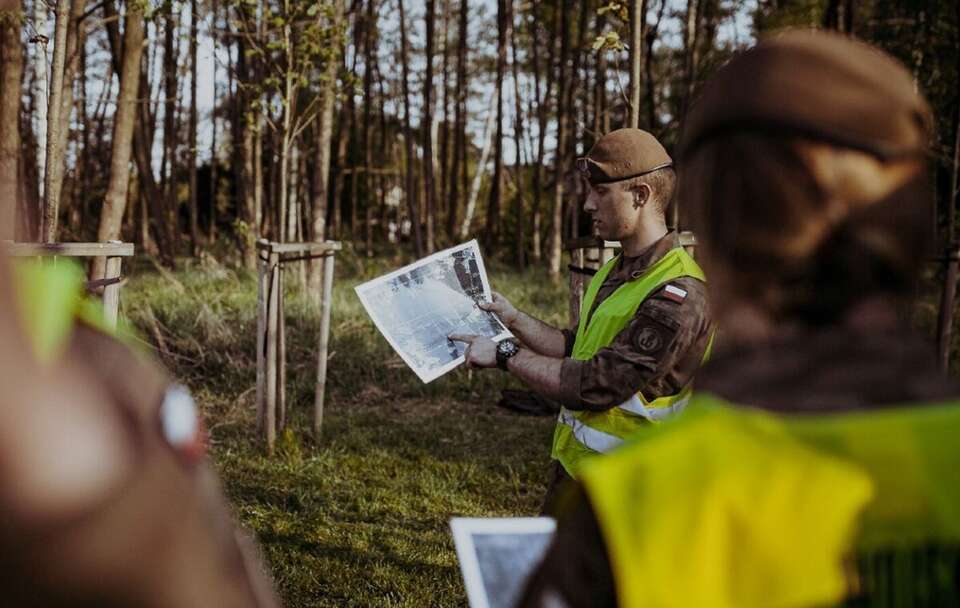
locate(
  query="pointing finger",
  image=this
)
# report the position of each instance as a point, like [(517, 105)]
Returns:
[(468, 338)]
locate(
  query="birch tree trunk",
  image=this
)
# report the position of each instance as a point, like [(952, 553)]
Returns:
[(11, 72), (54, 157), (76, 38), (123, 126), (41, 101), (481, 169)]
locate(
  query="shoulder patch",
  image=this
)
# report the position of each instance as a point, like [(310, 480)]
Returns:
[(675, 294), (648, 339)]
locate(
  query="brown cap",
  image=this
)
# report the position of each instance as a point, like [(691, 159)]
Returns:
[(623, 154), (819, 85)]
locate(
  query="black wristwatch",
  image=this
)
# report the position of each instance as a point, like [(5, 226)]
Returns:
[(505, 349)]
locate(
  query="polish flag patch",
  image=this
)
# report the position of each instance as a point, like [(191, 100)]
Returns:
[(671, 292)]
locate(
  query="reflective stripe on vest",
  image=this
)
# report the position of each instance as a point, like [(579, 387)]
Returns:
[(598, 441), (580, 434)]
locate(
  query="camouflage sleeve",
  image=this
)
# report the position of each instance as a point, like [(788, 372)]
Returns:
[(657, 352), (569, 336), (576, 569)]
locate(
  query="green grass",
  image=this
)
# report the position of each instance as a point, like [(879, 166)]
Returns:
[(360, 519)]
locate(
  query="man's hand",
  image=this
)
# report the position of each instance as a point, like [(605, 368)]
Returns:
[(481, 351), (502, 308)]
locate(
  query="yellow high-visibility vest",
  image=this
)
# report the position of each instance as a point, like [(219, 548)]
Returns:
[(579, 435), (729, 506), (50, 301)]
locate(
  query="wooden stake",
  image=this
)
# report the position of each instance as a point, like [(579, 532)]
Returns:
[(273, 306), (326, 302), (111, 293), (281, 355), (263, 287)]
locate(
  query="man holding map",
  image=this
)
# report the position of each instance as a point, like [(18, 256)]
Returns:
[(644, 325)]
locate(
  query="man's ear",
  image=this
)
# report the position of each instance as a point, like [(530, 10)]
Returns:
[(642, 195)]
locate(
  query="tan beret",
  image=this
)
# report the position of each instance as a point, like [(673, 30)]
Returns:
[(814, 84), (623, 154)]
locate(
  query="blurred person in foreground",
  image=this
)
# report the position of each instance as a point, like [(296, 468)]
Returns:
[(107, 498), (818, 461), (644, 324)]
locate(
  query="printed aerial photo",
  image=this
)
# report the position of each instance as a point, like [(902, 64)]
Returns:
[(418, 308)]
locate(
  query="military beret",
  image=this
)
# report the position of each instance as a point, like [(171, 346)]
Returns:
[(814, 84), (623, 154)]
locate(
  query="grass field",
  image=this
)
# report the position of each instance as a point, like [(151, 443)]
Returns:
[(360, 519)]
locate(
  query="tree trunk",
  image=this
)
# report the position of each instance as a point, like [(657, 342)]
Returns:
[(426, 125), (638, 8), (492, 231), (601, 118), (574, 135), (478, 176), (556, 227), (543, 114), (321, 169), (369, 60), (947, 299), (11, 72), (520, 251), (42, 102), (142, 142), (192, 135), (212, 203), (75, 39), (444, 122), (460, 117), (412, 202), (650, 37), (54, 157), (168, 164), (123, 128)]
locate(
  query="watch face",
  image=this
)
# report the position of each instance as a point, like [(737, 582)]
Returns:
[(507, 347)]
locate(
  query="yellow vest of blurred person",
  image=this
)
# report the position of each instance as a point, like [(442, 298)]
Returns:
[(729, 506)]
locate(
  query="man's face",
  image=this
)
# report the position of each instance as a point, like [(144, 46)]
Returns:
[(611, 206)]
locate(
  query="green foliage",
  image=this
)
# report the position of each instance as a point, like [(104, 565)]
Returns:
[(360, 519)]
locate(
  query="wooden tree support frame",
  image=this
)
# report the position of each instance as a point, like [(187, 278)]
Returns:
[(271, 344), (588, 254), (112, 280)]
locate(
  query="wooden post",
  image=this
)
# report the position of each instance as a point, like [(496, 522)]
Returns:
[(326, 302), (263, 288), (111, 293), (273, 305), (281, 354)]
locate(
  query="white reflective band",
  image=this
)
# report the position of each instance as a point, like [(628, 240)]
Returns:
[(178, 416), (676, 291), (635, 405), (598, 441)]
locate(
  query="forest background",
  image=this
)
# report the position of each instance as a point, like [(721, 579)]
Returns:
[(397, 127), (187, 126)]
